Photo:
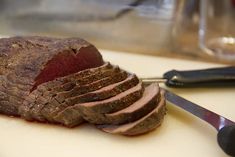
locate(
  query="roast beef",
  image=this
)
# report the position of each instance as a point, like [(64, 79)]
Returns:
[(32, 61), (93, 83), (81, 78), (52, 108), (145, 124), (138, 109), (93, 111), (31, 109), (69, 115), (66, 81), (105, 92)]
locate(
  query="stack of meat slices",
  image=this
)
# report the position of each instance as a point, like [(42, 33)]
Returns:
[(107, 96)]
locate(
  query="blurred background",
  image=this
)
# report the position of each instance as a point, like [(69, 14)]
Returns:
[(189, 29)]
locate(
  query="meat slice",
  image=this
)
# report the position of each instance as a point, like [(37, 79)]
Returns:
[(70, 116), (146, 124), (138, 109), (51, 109), (32, 61), (94, 112)]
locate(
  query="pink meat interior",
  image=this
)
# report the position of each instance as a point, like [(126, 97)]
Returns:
[(66, 63)]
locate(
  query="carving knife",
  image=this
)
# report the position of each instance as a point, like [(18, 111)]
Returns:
[(224, 126), (213, 77)]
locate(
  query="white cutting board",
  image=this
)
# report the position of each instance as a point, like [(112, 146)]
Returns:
[(181, 134)]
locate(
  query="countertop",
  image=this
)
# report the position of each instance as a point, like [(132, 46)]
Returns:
[(181, 134)]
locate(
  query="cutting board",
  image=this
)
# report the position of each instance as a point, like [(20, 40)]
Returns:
[(181, 134)]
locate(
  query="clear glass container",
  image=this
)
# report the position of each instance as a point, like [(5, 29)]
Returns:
[(217, 28), (205, 29)]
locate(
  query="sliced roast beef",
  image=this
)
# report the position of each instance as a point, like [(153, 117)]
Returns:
[(146, 124), (105, 92), (35, 60), (81, 83), (55, 106), (58, 83), (138, 109), (66, 81), (46, 90), (38, 98), (94, 112), (69, 115), (93, 83), (32, 110), (81, 78)]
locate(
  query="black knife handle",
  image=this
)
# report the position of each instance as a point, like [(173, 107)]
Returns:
[(226, 139), (215, 77)]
